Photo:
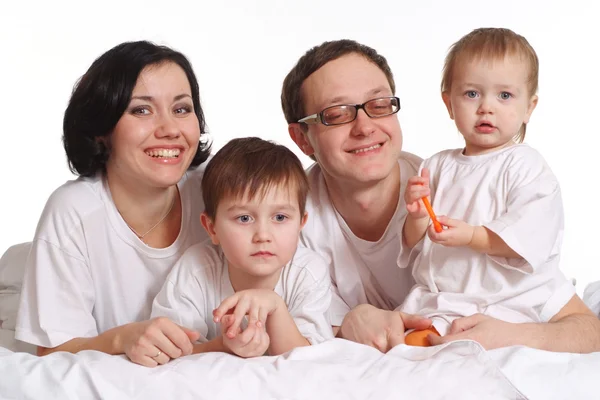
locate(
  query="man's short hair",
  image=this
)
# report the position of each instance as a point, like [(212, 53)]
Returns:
[(291, 94)]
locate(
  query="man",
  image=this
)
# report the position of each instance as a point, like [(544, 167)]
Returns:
[(339, 103)]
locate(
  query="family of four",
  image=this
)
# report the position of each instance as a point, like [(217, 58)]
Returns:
[(159, 250)]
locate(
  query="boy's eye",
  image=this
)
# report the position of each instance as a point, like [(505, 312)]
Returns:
[(505, 95), (244, 219), (280, 217), (471, 94)]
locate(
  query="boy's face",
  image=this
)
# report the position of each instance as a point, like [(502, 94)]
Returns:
[(489, 102), (258, 236), (361, 151)]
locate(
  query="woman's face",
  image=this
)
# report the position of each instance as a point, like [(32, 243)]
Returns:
[(157, 136)]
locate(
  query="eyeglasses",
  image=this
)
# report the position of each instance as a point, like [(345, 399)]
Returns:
[(345, 113)]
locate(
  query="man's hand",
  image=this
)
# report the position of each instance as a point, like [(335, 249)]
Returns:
[(489, 332), (377, 328)]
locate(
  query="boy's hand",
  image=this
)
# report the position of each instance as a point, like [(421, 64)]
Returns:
[(252, 342), (457, 232), (417, 188), (258, 304)]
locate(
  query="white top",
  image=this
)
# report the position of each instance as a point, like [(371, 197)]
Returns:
[(87, 272), (199, 282), (513, 193), (361, 271)]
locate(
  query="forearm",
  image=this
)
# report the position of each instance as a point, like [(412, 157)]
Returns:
[(336, 331), (414, 229), (215, 345), (576, 333), (107, 342), (486, 241), (283, 333)]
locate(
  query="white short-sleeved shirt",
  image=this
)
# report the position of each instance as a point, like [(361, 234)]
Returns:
[(199, 282), (513, 193), (87, 272), (361, 271)]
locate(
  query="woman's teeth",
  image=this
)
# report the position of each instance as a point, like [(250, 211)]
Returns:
[(171, 153)]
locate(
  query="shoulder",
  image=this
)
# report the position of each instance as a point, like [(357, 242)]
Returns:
[(409, 163), (201, 262), (442, 157), (307, 263), (70, 204)]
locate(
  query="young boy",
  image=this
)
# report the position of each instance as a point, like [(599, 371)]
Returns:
[(499, 253), (249, 289)]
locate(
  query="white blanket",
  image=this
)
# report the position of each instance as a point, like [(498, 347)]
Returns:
[(333, 370)]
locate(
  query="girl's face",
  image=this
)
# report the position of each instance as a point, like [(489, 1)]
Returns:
[(157, 136)]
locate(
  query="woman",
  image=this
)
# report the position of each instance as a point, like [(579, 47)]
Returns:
[(106, 241)]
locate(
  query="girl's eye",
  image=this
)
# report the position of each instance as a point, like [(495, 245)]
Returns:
[(505, 95), (471, 94), (244, 219), (280, 217)]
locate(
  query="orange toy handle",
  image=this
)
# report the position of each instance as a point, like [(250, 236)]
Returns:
[(436, 224)]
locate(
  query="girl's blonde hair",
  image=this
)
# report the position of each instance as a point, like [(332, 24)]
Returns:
[(492, 44)]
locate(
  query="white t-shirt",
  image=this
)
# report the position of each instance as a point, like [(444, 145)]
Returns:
[(361, 271), (199, 282), (513, 193), (87, 272)]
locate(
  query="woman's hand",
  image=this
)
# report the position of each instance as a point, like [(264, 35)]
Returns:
[(155, 341)]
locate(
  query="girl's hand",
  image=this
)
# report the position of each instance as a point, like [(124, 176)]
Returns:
[(456, 232), (417, 188)]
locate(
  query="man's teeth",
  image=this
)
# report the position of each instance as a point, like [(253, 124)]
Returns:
[(376, 146), (171, 153)]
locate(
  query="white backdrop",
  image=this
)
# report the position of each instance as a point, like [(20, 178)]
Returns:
[(241, 51)]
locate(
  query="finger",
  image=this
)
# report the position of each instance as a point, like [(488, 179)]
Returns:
[(253, 315), (241, 309), (191, 334), (226, 305), (435, 340), (246, 336), (415, 180), (159, 357), (262, 317), (425, 175), (465, 323), (444, 220), (146, 361), (411, 321), (168, 337)]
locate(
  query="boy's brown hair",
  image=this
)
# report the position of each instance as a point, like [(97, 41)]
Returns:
[(247, 167), (492, 44)]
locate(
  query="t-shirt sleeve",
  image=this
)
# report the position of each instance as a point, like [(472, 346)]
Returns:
[(182, 298), (309, 307), (533, 222), (57, 298)]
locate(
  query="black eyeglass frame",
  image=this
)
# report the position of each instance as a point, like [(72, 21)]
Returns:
[(318, 117)]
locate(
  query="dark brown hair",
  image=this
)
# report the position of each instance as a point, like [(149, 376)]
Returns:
[(247, 167), (291, 94)]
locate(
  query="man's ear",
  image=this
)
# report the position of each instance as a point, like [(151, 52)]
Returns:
[(448, 103), (299, 136), (209, 226)]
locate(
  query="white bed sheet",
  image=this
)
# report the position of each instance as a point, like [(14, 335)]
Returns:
[(337, 369)]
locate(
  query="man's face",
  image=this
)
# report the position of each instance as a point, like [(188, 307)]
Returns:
[(360, 152)]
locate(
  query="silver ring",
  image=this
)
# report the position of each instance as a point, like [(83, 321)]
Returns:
[(158, 354)]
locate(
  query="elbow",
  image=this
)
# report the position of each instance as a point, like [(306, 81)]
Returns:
[(44, 351)]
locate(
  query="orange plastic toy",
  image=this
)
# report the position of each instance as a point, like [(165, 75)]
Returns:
[(436, 224), (419, 338)]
